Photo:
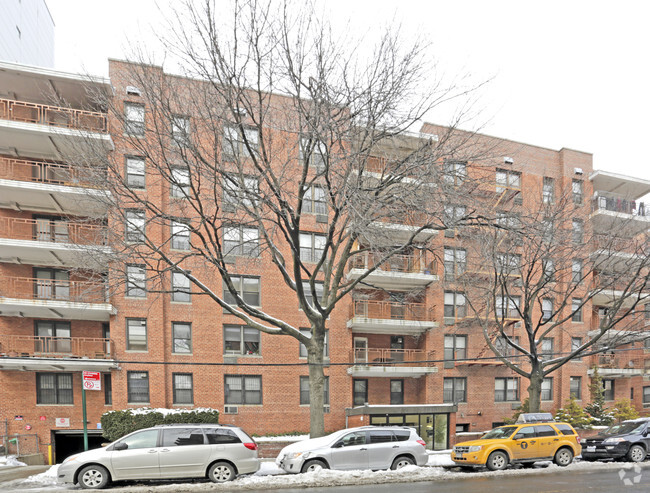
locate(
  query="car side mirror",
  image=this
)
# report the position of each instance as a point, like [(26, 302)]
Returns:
[(337, 445), (120, 446), (645, 433)]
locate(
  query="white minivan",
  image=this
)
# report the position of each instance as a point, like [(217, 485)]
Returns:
[(217, 452)]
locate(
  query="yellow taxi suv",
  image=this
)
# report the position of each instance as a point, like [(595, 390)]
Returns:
[(529, 440)]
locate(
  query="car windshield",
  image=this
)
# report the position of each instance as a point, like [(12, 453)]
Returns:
[(625, 428), (501, 432)]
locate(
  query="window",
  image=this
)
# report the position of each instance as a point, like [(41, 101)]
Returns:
[(548, 269), (577, 231), (504, 347), (506, 389), (453, 214), (546, 349), (454, 172), (135, 172), (509, 220), (454, 390), (455, 307), (137, 383), (318, 287), (179, 437), (135, 226), (136, 334), (314, 202), (608, 388), (575, 387), (312, 246), (180, 182), (326, 345), (359, 391), (181, 338), (507, 307), (52, 336), (396, 392), (243, 389), (548, 190), (312, 152), (576, 310), (508, 264), (181, 290), (141, 439), (239, 191), (136, 281), (221, 435), (134, 119), (547, 309), (545, 431), (180, 235), (236, 143), (181, 130), (576, 271), (241, 339), (548, 229), (462, 427), (183, 388), (455, 347), (506, 179), (547, 389), (240, 240), (577, 191), (646, 396), (108, 389), (455, 260), (54, 388), (304, 391), (576, 342), (248, 289)]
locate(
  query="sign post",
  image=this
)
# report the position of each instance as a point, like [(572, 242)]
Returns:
[(91, 380)]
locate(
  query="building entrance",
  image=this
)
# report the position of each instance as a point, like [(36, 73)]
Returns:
[(66, 443)]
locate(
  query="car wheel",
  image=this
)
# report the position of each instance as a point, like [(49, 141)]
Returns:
[(636, 453), (497, 461), (221, 472), (94, 477), (401, 462), (563, 457), (313, 466)]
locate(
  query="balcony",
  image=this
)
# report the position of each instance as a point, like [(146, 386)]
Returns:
[(54, 298), (620, 365), (387, 317), (48, 242), (400, 272), (391, 363), (55, 353), (47, 187)]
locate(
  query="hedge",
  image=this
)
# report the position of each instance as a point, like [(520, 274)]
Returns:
[(116, 424)]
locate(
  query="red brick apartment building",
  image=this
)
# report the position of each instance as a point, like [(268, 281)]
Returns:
[(157, 351)]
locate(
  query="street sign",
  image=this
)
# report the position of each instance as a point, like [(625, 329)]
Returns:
[(62, 422), (92, 380)]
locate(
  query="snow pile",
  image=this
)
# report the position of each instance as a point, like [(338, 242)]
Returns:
[(164, 411), (47, 477), (440, 458), (285, 438), (10, 461)]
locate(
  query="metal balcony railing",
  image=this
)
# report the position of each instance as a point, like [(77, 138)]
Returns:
[(389, 310), (45, 172), (53, 289), (387, 356), (55, 347), (622, 361), (408, 264), (615, 203), (22, 111), (52, 231)]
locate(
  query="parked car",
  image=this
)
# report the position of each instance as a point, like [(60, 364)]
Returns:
[(626, 440), (367, 447), (218, 452), (525, 442)]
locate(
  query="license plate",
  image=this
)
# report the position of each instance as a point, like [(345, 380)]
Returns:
[(591, 449), (458, 456)]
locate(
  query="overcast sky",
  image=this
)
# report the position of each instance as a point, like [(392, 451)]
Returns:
[(569, 73)]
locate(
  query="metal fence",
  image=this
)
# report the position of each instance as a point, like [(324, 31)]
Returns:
[(19, 444)]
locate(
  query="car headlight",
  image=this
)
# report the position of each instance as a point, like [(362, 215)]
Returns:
[(71, 458), (614, 440), (304, 455), (475, 448)]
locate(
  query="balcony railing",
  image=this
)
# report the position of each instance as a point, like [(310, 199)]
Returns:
[(45, 172), (389, 310), (56, 116), (622, 361), (55, 347), (615, 203), (386, 356), (408, 264), (53, 289), (52, 231)]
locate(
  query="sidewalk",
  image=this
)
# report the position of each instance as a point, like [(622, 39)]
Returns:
[(10, 473)]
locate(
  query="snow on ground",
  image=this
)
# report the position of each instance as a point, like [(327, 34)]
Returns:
[(10, 461), (282, 438), (269, 477)]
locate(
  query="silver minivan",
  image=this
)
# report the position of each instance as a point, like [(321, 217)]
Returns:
[(217, 452), (367, 447)]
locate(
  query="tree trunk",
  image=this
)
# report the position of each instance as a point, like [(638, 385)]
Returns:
[(316, 384), (535, 390)]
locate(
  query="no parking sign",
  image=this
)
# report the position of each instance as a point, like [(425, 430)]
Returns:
[(92, 380)]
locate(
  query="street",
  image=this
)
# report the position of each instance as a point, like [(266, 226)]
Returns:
[(579, 477)]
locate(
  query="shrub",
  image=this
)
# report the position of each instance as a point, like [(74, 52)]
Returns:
[(573, 414), (116, 424), (623, 410)]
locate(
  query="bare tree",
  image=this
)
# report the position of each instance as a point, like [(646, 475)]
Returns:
[(278, 142), (534, 271)]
